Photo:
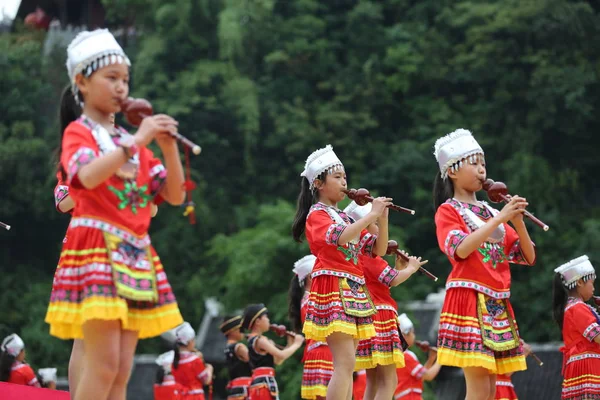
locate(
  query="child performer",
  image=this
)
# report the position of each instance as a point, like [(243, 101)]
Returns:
[(165, 387), (382, 354), (412, 375), (580, 326), (48, 378), (478, 331), (13, 368), (189, 368), (236, 359), (110, 288), (264, 354), (317, 360), (339, 307)]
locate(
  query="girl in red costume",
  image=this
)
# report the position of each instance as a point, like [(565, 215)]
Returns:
[(339, 309), (478, 331), (382, 354), (580, 326), (13, 368), (264, 354), (165, 387), (317, 360), (189, 368)]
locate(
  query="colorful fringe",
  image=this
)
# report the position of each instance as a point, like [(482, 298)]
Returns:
[(318, 369), (385, 347)]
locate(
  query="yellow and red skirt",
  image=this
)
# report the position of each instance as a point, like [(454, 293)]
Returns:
[(385, 347), (318, 370), (338, 304), (237, 389), (504, 388), (264, 385), (581, 372), (479, 331), (109, 273)]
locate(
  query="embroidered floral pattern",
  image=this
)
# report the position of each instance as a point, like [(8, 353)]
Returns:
[(158, 177), (138, 242), (478, 288), (387, 275), (592, 331), (495, 307), (453, 240), (132, 195), (338, 274), (82, 157), (333, 233), (60, 193), (367, 243), (492, 252)]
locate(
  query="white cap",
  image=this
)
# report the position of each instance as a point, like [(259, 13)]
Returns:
[(47, 374), (165, 360), (95, 49), (574, 270), (184, 333), (406, 325), (304, 266), (320, 161), (454, 147), (357, 212), (12, 344)]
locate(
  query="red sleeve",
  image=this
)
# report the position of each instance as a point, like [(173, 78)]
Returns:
[(199, 369), (513, 247), (158, 176), (25, 376), (320, 229), (379, 269), (78, 149), (450, 230), (581, 319), (414, 367)]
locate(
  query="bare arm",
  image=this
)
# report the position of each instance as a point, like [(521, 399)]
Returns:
[(100, 169), (354, 230), (280, 355), (525, 242), (381, 243), (172, 191), (241, 352), (66, 204)]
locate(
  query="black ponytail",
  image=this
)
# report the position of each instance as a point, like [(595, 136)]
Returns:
[(69, 112), (160, 375), (442, 190), (177, 356), (295, 295), (306, 199), (6, 362), (560, 295)]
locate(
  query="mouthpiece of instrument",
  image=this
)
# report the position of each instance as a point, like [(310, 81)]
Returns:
[(196, 150)]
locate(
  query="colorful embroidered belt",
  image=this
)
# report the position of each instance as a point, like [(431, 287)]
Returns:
[(315, 345), (238, 388)]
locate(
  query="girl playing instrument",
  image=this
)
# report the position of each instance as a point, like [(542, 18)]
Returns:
[(264, 354), (339, 307), (236, 359), (580, 327), (165, 387), (317, 360), (189, 368), (478, 331), (13, 368), (382, 354), (110, 288), (413, 373)]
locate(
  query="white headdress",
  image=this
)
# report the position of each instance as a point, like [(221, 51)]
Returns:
[(303, 267), (165, 360), (12, 344), (451, 149), (90, 51), (184, 333), (357, 212), (406, 325), (574, 270), (320, 161), (47, 374)]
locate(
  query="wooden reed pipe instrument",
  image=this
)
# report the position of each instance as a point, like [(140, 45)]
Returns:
[(393, 249), (5, 226), (498, 192), (362, 196), (536, 358), (135, 110), (281, 330)]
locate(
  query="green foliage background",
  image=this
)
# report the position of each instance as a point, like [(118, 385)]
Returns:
[(262, 83)]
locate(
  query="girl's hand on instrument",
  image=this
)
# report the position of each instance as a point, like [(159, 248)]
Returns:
[(152, 126), (401, 263), (414, 263), (380, 204), (513, 210), (298, 339)]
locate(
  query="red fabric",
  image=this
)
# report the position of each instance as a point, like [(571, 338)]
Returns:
[(260, 390), (169, 392), (359, 385), (22, 374), (493, 274), (322, 234), (504, 388), (410, 378), (379, 275), (9, 391), (189, 373), (61, 190), (80, 148)]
